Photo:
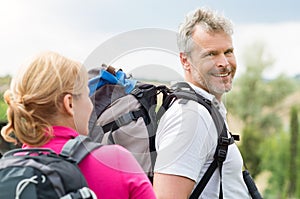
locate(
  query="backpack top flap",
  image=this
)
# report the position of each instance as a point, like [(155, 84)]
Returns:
[(108, 75)]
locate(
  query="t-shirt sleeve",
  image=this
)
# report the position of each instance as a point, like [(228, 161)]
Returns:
[(184, 140)]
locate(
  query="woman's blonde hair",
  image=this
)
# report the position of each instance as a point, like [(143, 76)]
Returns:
[(35, 97)]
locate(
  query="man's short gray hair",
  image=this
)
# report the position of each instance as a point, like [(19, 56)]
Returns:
[(210, 20)]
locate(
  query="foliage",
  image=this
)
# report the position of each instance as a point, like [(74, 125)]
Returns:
[(5, 80), (252, 101), (274, 158), (293, 168), (279, 156), (250, 151), (3, 108), (4, 84)]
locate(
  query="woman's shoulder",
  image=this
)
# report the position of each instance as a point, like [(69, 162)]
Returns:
[(116, 156), (120, 173), (114, 149)]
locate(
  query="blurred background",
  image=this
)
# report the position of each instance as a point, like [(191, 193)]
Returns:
[(264, 104)]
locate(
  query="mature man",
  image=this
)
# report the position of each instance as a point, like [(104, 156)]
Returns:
[(187, 137)]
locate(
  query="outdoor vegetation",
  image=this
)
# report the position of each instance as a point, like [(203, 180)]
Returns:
[(269, 135), (4, 84)]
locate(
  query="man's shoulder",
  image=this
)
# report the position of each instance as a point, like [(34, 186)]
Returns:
[(187, 106)]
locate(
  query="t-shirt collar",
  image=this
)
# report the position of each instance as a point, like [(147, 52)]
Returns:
[(212, 98)]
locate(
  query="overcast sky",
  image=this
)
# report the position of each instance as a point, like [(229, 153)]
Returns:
[(76, 28)]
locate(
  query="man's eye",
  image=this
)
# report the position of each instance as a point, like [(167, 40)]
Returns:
[(228, 52)]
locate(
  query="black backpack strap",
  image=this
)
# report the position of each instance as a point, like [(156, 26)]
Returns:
[(180, 90), (219, 158), (76, 149), (183, 90), (204, 180), (123, 120), (146, 94)]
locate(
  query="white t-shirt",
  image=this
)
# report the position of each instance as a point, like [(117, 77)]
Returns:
[(186, 141)]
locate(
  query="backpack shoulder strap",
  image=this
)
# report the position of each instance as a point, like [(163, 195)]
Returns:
[(79, 147), (183, 90)]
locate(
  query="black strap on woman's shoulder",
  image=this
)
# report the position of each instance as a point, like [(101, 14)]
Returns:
[(77, 148)]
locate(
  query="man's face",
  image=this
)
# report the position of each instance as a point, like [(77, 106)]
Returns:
[(212, 61)]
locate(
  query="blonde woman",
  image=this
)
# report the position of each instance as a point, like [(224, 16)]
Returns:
[(48, 105)]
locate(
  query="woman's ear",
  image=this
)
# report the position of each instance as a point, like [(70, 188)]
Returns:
[(68, 104), (184, 61)]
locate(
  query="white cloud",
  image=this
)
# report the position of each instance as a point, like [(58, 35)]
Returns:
[(281, 40), (26, 30)]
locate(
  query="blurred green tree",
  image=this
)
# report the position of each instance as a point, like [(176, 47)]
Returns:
[(252, 101), (275, 156), (293, 167)]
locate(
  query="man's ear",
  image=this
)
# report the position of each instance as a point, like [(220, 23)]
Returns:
[(68, 104), (184, 61)]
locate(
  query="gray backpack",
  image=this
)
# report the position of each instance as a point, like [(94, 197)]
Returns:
[(125, 116)]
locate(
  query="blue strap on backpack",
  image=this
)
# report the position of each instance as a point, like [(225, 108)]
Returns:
[(106, 76)]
